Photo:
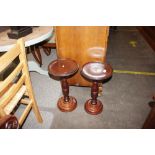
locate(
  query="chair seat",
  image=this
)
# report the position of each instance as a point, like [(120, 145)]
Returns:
[(96, 71)]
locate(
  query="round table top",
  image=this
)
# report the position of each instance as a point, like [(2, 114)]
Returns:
[(39, 34), (97, 71), (63, 67)]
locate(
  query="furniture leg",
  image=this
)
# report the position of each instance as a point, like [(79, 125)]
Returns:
[(66, 103), (47, 50), (65, 89), (94, 106), (94, 92), (36, 53)]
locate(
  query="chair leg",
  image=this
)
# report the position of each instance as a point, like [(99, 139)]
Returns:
[(30, 93), (37, 112), (31, 96), (36, 53)]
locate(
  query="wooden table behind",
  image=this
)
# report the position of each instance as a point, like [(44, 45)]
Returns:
[(82, 44), (39, 34)]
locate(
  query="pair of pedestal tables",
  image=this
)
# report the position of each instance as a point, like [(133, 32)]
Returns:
[(61, 69)]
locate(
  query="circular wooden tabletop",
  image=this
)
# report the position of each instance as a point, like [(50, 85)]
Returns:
[(97, 71), (39, 34), (63, 67)]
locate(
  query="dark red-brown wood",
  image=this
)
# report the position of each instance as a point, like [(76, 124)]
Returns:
[(63, 69), (9, 122), (94, 92), (148, 32), (96, 72), (94, 106), (65, 89), (36, 54), (150, 120)]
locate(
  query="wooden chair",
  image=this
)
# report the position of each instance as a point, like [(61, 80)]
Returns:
[(16, 87)]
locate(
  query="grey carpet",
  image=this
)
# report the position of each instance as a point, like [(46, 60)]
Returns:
[(125, 97)]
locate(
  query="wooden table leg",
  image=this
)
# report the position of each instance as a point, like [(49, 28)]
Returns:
[(66, 103), (94, 106), (36, 54), (47, 50), (65, 89)]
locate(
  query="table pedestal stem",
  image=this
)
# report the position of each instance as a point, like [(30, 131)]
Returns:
[(94, 106), (65, 89), (94, 92)]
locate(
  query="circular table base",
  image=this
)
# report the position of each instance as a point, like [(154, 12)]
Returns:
[(67, 106), (93, 109)]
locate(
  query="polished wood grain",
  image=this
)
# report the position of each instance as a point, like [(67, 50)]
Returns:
[(94, 106), (95, 72), (82, 44), (63, 69), (93, 109)]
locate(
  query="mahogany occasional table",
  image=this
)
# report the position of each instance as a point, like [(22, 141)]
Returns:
[(63, 69), (95, 72)]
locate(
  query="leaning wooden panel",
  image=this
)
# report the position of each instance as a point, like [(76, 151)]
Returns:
[(82, 44)]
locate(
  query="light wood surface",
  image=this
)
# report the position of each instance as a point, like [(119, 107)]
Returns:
[(82, 44), (12, 91), (39, 34)]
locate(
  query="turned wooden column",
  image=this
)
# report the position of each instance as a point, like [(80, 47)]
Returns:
[(94, 92), (65, 89)]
